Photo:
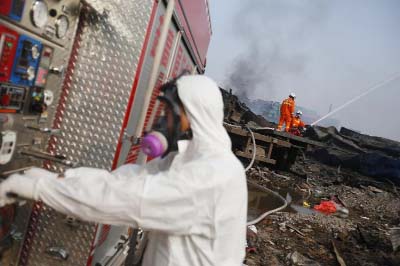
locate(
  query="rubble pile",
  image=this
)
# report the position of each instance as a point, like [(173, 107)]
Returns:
[(358, 174), (237, 112), (372, 156), (299, 235)]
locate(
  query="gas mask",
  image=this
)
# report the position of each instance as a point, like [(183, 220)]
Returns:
[(166, 131)]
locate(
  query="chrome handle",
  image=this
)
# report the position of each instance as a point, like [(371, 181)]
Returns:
[(52, 131), (57, 253), (61, 159)]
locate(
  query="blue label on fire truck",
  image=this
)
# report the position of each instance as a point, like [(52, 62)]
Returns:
[(26, 61)]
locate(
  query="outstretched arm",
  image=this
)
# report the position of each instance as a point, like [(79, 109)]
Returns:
[(151, 201)]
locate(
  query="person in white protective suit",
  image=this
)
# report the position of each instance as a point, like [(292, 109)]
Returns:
[(193, 199)]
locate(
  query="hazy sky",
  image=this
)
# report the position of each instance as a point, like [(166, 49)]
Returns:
[(326, 51)]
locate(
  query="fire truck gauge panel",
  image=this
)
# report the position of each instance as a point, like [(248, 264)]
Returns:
[(62, 26), (39, 14), (8, 47), (8, 141), (17, 9), (26, 61), (53, 20)]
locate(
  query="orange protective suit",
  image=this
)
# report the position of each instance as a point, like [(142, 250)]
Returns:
[(296, 122), (287, 109)]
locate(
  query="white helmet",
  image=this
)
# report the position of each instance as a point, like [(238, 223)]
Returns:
[(299, 113), (293, 95)]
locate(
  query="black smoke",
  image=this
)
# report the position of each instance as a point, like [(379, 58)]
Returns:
[(270, 28)]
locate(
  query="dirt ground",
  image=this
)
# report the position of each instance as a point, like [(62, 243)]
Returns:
[(296, 238)]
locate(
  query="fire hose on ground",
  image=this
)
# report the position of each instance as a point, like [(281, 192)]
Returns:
[(285, 203)]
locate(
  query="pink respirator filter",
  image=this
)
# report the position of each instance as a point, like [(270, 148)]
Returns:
[(154, 144)]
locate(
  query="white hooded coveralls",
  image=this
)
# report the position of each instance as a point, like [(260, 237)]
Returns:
[(193, 202)]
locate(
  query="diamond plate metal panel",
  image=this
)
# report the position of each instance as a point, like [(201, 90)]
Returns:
[(20, 225), (129, 152), (90, 114), (181, 60)]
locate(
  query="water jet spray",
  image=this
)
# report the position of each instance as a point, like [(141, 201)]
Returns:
[(369, 90)]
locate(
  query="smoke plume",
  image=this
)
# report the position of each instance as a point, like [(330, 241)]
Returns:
[(270, 59)]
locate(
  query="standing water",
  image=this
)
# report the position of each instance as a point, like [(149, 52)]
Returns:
[(261, 201)]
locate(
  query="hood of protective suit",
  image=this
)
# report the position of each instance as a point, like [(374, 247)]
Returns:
[(204, 106)]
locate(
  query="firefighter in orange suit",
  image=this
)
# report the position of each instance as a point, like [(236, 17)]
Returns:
[(297, 126), (287, 110)]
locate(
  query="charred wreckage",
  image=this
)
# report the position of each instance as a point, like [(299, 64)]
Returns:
[(342, 202)]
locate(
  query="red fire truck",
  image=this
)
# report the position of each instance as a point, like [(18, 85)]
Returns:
[(78, 81)]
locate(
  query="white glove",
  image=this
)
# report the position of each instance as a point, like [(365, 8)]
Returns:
[(22, 185), (18, 185)]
